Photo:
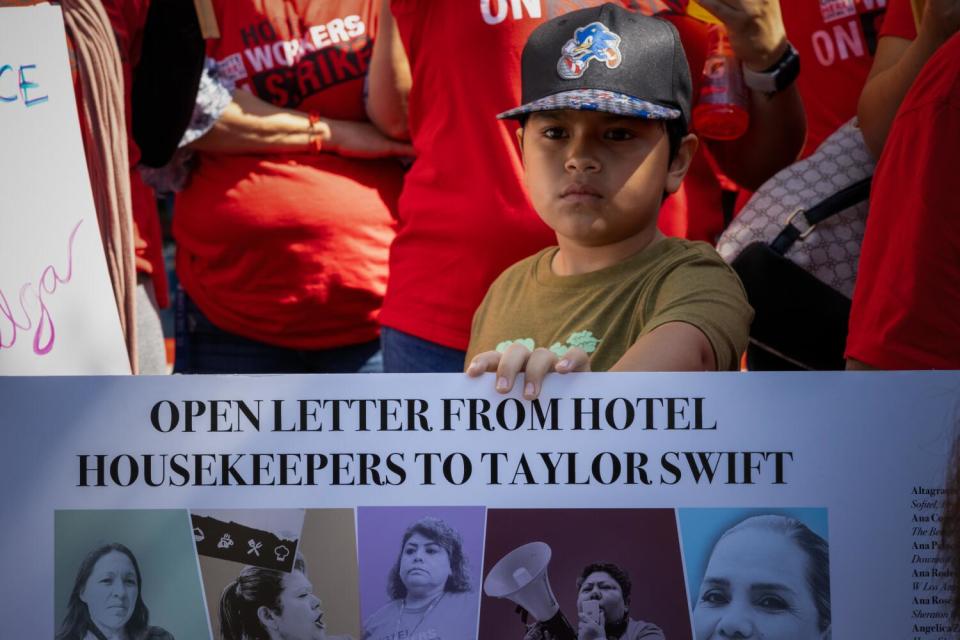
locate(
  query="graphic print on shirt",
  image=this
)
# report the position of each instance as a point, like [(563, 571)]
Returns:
[(497, 11), (850, 30), (583, 339), (287, 72)]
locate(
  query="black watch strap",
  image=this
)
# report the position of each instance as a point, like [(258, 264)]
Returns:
[(777, 77)]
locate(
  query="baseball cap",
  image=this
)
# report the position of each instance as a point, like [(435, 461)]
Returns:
[(608, 59)]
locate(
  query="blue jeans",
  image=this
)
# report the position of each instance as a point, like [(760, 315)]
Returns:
[(404, 353), (203, 347)]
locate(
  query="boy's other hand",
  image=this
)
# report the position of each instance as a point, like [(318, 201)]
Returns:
[(534, 364), (757, 34)]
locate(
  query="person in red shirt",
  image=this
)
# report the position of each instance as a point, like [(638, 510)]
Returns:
[(283, 231), (908, 267), (901, 54), (464, 215), (836, 40)]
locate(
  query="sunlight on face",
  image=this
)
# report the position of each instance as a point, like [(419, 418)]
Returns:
[(595, 178)]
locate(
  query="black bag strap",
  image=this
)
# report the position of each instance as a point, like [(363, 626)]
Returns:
[(839, 201)]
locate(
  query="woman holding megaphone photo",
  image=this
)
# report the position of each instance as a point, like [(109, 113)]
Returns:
[(603, 608)]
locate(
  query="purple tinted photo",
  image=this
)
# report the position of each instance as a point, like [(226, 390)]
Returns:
[(420, 571), (617, 569)]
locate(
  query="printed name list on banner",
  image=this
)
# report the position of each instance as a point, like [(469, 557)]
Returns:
[(57, 309), (829, 485)]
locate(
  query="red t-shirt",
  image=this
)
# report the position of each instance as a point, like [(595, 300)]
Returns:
[(836, 40), (291, 249), (899, 21), (464, 213), (906, 305)]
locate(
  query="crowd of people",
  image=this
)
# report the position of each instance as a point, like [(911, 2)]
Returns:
[(516, 188), (345, 195), (348, 200)]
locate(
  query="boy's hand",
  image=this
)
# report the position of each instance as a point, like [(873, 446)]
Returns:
[(755, 27), (535, 364)]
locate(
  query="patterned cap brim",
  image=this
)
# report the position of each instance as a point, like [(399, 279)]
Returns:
[(595, 100)]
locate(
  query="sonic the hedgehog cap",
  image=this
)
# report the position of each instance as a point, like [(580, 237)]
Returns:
[(606, 59)]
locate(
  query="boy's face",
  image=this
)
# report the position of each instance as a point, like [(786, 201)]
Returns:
[(596, 178)]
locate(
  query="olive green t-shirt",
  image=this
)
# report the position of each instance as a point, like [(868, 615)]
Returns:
[(605, 312)]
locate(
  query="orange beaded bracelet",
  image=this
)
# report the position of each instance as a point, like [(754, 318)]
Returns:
[(315, 144)]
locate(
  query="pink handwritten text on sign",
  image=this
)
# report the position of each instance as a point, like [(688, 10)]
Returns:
[(33, 313)]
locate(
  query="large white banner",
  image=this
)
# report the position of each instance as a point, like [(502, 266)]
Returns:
[(859, 458), (57, 310)]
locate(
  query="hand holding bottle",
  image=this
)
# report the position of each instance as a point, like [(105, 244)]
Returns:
[(755, 27)]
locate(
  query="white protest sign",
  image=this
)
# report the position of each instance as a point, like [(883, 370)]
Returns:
[(57, 310), (869, 451)]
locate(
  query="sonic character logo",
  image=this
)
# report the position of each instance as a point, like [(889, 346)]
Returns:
[(591, 42)]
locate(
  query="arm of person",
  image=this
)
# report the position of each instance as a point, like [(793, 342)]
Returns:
[(388, 79), (252, 125), (673, 346), (778, 128), (777, 122), (856, 365), (699, 321), (895, 67)]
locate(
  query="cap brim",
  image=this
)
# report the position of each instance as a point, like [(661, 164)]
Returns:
[(595, 100)]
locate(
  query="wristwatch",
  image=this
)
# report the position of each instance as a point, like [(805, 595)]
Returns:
[(776, 78)]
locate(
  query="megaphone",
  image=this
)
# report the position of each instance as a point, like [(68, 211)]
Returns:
[(521, 576)]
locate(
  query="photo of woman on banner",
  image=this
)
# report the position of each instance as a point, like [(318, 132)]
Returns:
[(583, 574), (272, 605), (429, 586), (106, 601), (767, 576), (312, 593), (124, 574), (603, 608)]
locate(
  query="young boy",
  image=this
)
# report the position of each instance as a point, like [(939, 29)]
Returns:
[(604, 138)]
